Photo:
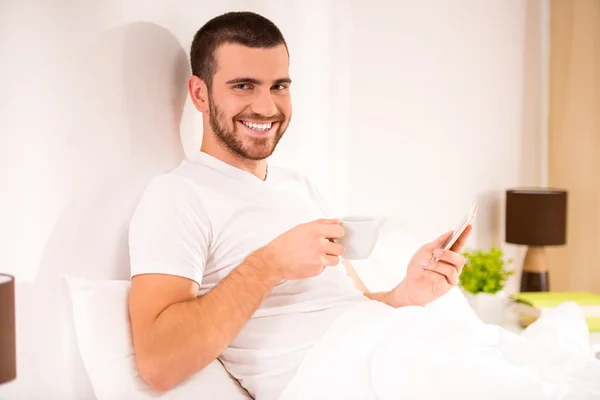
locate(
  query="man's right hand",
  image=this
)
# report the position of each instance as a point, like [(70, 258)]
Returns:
[(305, 250)]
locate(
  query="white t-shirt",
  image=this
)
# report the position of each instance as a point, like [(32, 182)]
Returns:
[(202, 219)]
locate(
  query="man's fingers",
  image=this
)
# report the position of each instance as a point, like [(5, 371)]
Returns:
[(446, 270), (462, 240), (329, 260), (332, 231), (456, 260), (332, 248)]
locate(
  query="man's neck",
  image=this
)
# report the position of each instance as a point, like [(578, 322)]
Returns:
[(256, 168)]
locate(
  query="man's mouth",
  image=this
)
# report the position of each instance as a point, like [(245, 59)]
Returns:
[(259, 128)]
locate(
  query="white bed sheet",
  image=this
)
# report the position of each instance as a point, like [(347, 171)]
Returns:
[(375, 352)]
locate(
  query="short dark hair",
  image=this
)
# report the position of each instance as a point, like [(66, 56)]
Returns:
[(240, 27)]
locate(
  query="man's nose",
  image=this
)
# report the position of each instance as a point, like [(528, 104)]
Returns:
[(264, 105)]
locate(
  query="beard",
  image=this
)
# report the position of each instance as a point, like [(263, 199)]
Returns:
[(253, 148)]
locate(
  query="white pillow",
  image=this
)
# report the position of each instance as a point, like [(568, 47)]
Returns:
[(99, 311)]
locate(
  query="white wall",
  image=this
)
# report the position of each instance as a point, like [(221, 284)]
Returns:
[(446, 110), (409, 110)]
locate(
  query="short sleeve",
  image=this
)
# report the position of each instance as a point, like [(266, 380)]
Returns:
[(169, 233)]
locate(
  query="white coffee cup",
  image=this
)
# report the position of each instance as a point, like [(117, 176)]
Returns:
[(361, 234)]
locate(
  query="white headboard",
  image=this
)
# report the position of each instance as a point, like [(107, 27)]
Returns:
[(128, 96)]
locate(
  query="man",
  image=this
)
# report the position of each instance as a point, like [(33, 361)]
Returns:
[(234, 260), (230, 258)]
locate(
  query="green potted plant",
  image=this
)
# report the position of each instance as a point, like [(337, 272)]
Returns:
[(483, 280)]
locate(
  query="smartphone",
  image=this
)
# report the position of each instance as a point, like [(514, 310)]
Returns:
[(461, 227)]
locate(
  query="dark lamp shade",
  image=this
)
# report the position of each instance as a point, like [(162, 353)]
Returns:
[(536, 217), (8, 353)]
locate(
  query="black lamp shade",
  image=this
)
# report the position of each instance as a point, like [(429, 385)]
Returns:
[(536, 217), (8, 354)]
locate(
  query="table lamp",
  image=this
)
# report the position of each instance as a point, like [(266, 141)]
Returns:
[(536, 218), (8, 353)]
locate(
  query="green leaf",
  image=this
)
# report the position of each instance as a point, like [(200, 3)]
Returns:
[(485, 271)]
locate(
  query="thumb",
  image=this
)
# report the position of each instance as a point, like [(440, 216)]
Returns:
[(439, 242), (328, 221)]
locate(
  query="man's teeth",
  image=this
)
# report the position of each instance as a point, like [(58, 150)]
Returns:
[(258, 127)]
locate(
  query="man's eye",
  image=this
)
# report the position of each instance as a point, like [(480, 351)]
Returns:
[(242, 86), (279, 87)]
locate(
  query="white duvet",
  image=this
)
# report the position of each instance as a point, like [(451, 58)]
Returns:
[(376, 352)]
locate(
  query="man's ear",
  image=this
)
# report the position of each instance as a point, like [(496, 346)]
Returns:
[(198, 92)]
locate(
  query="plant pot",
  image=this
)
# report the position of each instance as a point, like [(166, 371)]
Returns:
[(489, 308)]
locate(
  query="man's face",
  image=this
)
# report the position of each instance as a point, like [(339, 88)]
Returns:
[(249, 101)]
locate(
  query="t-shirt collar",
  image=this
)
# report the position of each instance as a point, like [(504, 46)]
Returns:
[(221, 166)]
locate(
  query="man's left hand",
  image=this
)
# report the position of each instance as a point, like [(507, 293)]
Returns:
[(431, 272)]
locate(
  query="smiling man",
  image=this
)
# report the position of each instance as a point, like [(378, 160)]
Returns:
[(233, 260)]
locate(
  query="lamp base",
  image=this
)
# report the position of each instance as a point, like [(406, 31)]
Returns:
[(534, 282), (534, 277)]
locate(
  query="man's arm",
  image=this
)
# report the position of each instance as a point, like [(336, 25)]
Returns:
[(176, 334), (385, 297)]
